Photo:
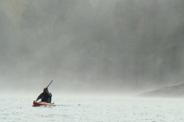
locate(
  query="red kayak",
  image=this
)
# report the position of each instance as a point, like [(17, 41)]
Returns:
[(38, 104)]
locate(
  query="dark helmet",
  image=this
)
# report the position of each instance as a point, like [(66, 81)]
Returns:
[(45, 90)]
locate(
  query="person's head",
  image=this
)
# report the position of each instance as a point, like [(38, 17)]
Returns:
[(45, 90)]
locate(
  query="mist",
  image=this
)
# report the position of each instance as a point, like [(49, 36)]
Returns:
[(105, 46)]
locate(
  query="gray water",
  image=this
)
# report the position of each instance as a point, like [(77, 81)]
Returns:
[(88, 109)]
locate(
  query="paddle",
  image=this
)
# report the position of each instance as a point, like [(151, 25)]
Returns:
[(49, 84)]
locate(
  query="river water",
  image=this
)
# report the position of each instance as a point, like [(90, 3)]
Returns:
[(89, 109)]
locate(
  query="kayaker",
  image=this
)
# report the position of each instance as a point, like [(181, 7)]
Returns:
[(45, 96)]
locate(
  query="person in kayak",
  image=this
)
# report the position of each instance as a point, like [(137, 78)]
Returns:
[(45, 96)]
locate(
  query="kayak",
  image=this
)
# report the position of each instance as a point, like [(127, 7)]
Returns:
[(39, 104)]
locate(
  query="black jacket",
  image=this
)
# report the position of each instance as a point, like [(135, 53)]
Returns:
[(45, 97)]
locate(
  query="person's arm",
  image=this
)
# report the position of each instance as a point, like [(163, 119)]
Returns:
[(39, 97)]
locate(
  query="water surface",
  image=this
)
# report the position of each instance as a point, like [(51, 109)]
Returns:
[(89, 109)]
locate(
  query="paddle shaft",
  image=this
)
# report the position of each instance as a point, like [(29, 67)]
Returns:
[(49, 83)]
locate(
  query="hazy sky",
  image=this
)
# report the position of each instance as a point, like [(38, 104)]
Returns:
[(91, 45)]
